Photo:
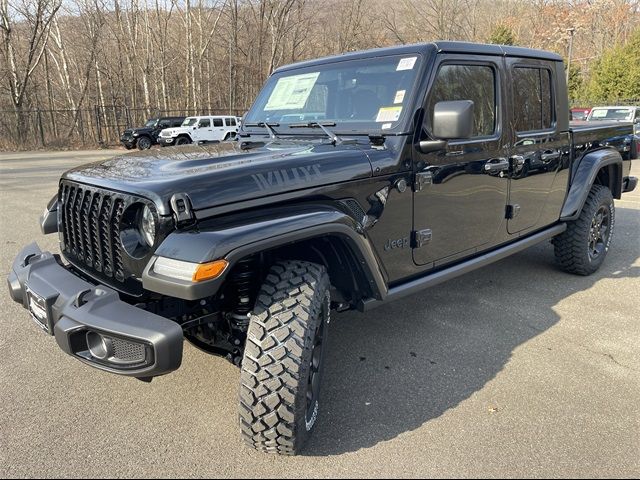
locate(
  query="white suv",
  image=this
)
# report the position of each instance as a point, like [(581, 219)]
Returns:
[(200, 129)]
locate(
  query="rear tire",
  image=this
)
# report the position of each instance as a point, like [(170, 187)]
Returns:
[(583, 246), (283, 359)]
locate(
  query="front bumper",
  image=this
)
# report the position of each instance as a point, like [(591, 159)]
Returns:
[(128, 141), (166, 140), (136, 343)]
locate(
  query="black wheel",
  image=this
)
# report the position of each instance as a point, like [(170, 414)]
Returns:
[(582, 248), (283, 362), (182, 141), (144, 143)]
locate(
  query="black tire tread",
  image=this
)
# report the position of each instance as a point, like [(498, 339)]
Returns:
[(570, 247), (273, 368)]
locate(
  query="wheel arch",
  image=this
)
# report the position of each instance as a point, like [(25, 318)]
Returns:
[(319, 234), (601, 167)]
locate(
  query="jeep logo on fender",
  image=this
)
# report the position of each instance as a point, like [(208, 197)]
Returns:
[(287, 176), (399, 243)]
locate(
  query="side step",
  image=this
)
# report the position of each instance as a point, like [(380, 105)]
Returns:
[(466, 266)]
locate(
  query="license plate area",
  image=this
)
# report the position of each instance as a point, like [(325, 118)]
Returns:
[(40, 309)]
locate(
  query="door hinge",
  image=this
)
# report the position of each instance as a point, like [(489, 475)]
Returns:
[(512, 211), (422, 179), (422, 237)]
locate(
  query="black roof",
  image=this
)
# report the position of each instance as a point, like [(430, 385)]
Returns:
[(428, 48)]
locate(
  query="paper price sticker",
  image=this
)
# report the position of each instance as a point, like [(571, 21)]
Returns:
[(399, 96), (291, 93), (388, 114), (406, 63)]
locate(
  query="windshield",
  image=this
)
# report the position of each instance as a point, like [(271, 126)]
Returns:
[(189, 121), (151, 123), (357, 95), (611, 114)]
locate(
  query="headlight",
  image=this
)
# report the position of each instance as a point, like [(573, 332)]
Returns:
[(136, 134), (148, 226), (188, 271)]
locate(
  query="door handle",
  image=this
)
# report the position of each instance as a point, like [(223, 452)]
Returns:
[(496, 165)]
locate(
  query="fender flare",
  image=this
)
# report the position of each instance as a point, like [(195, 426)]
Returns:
[(236, 238), (584, 177)]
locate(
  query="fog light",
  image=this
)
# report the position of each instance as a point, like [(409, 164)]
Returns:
[(100, 347)]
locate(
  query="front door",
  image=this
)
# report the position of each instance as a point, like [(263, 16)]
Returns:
[(459, 205), (202, 131)]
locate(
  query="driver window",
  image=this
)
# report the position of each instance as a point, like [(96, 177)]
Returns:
[(467, 82)]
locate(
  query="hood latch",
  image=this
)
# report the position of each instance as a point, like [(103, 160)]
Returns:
[(182, 210)]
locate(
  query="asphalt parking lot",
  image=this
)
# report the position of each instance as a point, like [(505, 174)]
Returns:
[(514, 370)]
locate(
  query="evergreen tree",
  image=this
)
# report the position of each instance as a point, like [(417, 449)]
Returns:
[(617, 73), (502, 35)]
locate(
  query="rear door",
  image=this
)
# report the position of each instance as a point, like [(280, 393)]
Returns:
[(459, 207), (539, 149)]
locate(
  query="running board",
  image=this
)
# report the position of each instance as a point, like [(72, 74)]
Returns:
[(448, 273)]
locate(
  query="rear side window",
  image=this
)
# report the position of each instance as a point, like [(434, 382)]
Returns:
[(533, 106), (217, 122), (230, 122), (205, 122), (468, 82)]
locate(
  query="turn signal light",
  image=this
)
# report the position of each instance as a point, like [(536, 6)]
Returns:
[(207, 271)]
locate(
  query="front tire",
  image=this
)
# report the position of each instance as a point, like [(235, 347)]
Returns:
[(583, 246), (144, 143), (283, 359), (182, 141)]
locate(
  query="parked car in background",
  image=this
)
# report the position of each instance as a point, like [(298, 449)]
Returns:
[(579, 113), (146, 136), (200, 129), (617, 114)]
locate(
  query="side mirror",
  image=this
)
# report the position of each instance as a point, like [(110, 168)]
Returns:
[(452, 120)]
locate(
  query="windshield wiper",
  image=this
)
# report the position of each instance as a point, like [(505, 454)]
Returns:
[(269, 126), (335, 139)]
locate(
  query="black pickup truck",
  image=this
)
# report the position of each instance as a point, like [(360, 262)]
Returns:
[(355, 180)]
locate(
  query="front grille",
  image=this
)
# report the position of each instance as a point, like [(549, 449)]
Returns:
[(91, 229)]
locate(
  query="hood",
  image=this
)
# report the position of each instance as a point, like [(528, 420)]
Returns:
[(131, 131), (219, 174)]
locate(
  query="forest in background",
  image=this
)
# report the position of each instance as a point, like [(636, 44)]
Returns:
[(69, 68)]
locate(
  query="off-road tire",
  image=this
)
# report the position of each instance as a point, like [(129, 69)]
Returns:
[(291, 314), (573, 246), (146, 143), (182, 141)]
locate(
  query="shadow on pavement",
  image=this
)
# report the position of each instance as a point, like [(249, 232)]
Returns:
[(392, 370)]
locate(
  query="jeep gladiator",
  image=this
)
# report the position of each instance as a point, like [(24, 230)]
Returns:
[(355, 180)]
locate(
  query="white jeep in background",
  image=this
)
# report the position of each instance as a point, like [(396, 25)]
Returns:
[(200, 129)]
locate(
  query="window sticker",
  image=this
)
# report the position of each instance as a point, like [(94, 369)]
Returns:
[(399, 96), (406, 63), (389, 114), (599, 113), (386, 126), (291, 93)]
